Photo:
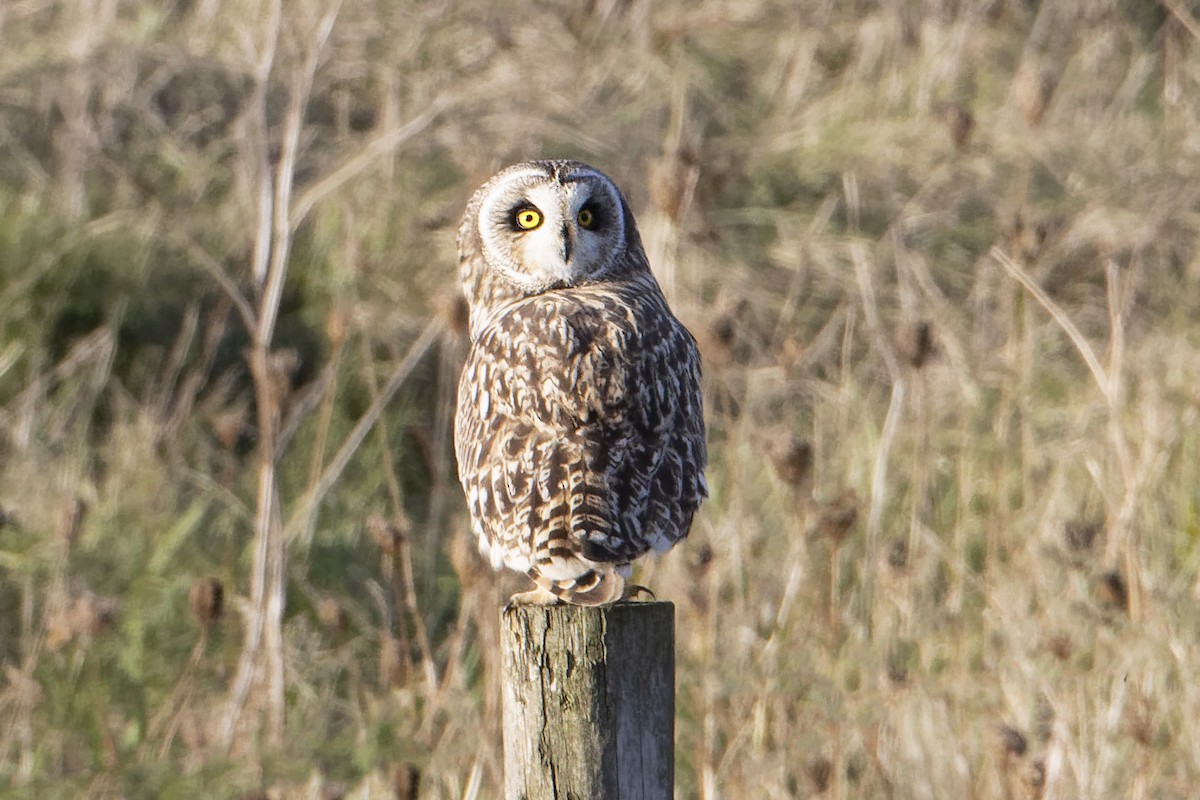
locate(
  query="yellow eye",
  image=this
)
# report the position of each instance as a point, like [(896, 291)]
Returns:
[(586, 218), (528, 219)]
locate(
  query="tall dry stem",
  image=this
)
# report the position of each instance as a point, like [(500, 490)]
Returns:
[(891, 423), (264, 623), (1124, 543)]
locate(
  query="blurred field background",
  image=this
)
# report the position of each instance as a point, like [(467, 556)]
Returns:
[(941, 258)]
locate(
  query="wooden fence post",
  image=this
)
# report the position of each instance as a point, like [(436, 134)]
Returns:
[(589, 702)]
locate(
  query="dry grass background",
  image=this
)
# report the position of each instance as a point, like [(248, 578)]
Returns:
[(941, 257)]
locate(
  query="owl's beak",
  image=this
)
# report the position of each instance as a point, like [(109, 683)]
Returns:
[(567, 243)]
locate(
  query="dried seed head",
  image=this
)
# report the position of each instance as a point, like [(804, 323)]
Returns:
[(1033, 88), (792, 458), (1060, 646), (21, 686), (791, 352), (406, 781), (722, 334), (93, 615), (393, 663), (330, 614), (672, 183), (838, 517), (725, 338), (1080, 534), (1032, 780), (961, 124), (902, 657), (206, 599), (283, 365), (337, 324), (1012, 742), (1138, 719), (915, 343), (59, 623), (468, 564), (1112, 591), (454, 312), (70, 521), (389, 536), (820, 772), (1043, 718), (701, 560), (230, 423), (1028, 239), (724, 330)]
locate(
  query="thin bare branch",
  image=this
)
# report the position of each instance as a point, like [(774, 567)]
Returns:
[(1054, 310), (891, 424), (382, 145), (10, 355), (272, 247), (316, 493), (281, 233), (264, 60), (1185, 18), (215, 271)]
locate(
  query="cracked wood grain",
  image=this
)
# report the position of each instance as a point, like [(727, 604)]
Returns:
[(589, 702)]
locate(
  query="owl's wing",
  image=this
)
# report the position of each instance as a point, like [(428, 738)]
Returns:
[(580, 433)]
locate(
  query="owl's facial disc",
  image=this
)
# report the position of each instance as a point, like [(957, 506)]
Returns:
[(548, 234)]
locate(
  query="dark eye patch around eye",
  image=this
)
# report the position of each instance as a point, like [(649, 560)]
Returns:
[(599, 214)]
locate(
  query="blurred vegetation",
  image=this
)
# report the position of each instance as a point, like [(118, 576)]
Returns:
[(941, 258)]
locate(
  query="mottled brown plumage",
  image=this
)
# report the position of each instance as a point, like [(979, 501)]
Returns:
[(580, 428)]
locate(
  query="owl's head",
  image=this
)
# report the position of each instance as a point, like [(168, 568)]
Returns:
[(545, 225)]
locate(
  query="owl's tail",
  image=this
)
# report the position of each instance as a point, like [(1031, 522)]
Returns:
[(591, 588)]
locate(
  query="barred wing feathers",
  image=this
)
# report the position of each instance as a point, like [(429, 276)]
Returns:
[(580, 434)]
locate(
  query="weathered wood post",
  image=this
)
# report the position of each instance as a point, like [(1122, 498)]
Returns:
[(589, 702)]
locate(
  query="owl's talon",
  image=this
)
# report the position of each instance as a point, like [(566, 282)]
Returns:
[(534, 597), (632, 590)]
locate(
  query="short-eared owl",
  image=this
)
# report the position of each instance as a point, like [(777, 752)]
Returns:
[(580, 428)]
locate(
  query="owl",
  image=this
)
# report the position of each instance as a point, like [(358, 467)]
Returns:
[(579, 431)]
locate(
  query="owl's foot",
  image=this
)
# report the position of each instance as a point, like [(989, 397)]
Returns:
[(534, 597), (632, 590)]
